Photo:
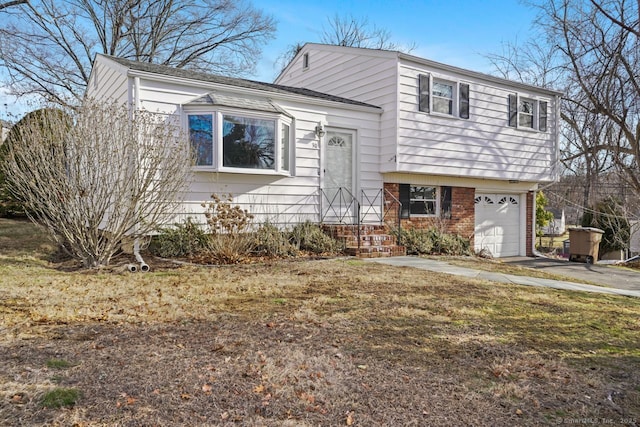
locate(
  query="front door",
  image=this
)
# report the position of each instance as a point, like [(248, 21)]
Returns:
[(338, 202)]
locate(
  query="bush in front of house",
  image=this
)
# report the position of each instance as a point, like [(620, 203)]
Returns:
[(270, 241), (448, 244), (415, 241), (310, 237), (432, 242), (182, 240), (230, 236)]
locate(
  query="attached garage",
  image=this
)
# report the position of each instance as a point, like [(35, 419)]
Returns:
[(498, 225)]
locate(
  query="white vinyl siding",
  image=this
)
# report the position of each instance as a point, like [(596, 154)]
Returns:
[(477, 142), (484, 146), (369, 77), (285, 199), (109, 83)]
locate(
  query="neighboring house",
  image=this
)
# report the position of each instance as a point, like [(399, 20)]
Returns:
[(4, 130), (557, 226), (455, 145), (634, 244), (346, 133)]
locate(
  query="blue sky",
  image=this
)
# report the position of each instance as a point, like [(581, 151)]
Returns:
[(456, 32)]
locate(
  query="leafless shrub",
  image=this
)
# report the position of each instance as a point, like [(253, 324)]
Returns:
[(94, 175), (230, 226)]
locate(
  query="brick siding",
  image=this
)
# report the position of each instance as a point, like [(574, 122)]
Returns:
[(462, 221), (530, 222)]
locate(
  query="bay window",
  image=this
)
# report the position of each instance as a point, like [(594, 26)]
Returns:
[(236, 142), (201, 138), (248, 142)]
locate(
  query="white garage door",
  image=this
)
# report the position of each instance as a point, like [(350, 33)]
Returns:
[(497, 224)]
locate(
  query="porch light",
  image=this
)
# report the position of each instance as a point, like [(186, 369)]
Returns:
[(320, 132)]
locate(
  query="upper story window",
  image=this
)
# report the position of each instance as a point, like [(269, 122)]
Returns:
[(235, 142), (443, 97), (527, 113), (305, 61)]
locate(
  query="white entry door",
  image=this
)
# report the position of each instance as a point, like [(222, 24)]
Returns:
[(497, 224), (337, 183)]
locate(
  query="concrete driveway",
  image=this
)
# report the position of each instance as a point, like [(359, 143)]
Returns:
[(594, 274), (602, 274)]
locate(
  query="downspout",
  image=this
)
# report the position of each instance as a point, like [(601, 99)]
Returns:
[(144, 267)]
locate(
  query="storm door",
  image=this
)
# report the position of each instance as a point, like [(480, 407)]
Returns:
[(338, 202)]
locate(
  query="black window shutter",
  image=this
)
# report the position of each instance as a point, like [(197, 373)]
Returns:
[(464, 101), (423, 83), (405, 199), (445, 202), (542, 121), (513, 111)]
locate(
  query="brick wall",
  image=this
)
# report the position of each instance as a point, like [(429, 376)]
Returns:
[(462, 221), (530, 223)]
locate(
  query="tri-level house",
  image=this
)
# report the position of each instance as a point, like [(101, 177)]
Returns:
[(457, 148), (358, 136)]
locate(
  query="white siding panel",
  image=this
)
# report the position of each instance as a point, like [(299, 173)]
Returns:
[(481, 146), (108, 81)]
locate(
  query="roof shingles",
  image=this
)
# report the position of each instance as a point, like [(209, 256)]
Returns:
[(232, 81)]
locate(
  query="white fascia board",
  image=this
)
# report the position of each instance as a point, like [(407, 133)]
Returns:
[(477, 75)]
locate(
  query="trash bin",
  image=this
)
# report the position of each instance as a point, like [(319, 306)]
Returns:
[(584, 244)]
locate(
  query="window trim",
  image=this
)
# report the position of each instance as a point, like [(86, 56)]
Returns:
[(436, 200), (218, 146), (453, 104), (460, 107), (539, 121), (443, 201)]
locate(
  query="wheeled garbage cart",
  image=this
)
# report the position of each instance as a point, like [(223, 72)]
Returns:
[(584, 243)]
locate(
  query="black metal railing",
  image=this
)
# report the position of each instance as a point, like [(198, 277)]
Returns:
[(375, 206)]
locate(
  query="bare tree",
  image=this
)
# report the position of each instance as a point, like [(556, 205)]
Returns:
[(7, 4), (350, 32), (48, 46), (599, 41), (97, 175), (590, 50), (353, 32)]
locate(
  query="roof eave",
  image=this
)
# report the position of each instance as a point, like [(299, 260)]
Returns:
[(250, 91), (478, 75)]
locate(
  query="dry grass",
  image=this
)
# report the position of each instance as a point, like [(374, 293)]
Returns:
[(333, 342)]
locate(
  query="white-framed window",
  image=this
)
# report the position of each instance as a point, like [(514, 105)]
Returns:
[(528, 113), (285, 147), (443, 97), (240, 142), (423, 201), (201, 138), (305, 61)]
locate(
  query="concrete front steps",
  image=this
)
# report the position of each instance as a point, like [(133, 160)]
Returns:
[(375, 241)]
